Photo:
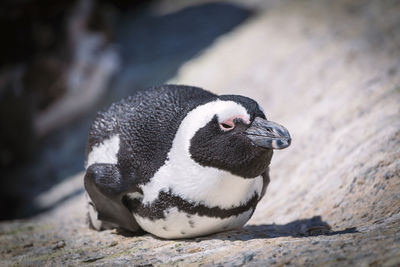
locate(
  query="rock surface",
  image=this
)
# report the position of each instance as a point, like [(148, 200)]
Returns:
[(328, 71)]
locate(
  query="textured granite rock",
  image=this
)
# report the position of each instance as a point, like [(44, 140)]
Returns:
[(327, 71)]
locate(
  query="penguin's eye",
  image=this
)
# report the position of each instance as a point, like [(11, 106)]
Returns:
[(226, 126), (229, 124)]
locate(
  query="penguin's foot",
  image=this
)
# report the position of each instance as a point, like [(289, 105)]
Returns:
[(93, 221)]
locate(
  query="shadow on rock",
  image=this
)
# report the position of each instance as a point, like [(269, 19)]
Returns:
[(300, 228), (154, 46)]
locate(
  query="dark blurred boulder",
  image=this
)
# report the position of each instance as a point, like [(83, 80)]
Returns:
[(52, 51)]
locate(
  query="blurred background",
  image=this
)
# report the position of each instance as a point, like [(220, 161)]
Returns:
[(62, 61)]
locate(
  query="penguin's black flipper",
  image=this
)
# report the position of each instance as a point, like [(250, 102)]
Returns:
[(105, 186)]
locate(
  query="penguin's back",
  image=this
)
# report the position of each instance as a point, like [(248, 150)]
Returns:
[(137, 132)]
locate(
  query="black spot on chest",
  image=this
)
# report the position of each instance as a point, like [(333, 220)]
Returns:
[(158, 209)]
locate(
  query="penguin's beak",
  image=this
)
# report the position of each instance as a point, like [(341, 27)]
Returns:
[(268, 134)]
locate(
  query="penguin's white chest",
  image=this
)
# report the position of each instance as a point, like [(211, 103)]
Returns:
[(196, 201), (178, 224)]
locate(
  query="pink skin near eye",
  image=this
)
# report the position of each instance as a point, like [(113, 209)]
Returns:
[(229, 124)]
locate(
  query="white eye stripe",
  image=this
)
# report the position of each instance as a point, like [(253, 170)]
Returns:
[(200, 116), (231, 120), (229, 109)]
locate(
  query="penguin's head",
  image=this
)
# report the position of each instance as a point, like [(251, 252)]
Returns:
[(232, 133)]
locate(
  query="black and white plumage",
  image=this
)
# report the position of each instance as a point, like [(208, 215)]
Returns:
[(179, 161)]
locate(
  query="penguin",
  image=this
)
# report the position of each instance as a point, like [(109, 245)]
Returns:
[(179, 162)]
